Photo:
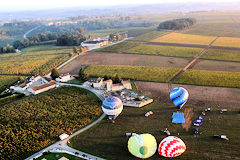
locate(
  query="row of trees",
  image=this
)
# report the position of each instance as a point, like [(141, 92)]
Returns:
[(177, 24), (117, 37), (7, 49), (34, 40)]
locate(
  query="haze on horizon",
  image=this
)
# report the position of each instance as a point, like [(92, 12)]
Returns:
[(25, 5)]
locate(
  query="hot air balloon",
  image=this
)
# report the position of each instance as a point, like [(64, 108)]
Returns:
[(142, 146), (179, 96), (112, 106), (171, 146)]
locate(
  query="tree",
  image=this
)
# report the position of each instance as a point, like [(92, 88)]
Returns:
[(117, 79), (82, 75), (21, 79), (55, 73)]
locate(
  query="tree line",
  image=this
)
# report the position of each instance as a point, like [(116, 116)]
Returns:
[(177, 24), (7, 49)]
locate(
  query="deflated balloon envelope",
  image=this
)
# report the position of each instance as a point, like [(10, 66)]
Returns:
[(179, 96)]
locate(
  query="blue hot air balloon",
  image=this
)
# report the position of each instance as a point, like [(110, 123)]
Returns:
[(179, 96), (112, 106)]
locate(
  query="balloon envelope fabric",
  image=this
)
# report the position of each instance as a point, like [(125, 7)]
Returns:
[(112, 106), (179, 96), (171, 146), (142, 146)]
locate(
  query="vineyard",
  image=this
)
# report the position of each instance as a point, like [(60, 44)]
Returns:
[(6, 81), (120, 47), (37, 62), (185, 39), (165, 50), (149, 36), (227, 42), (223, 55), (141, 73), (33, 123), (210, 78)]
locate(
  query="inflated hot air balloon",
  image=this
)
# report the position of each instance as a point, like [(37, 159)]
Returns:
[(171, 146), (179, 96), (142, 146), (112, 106)]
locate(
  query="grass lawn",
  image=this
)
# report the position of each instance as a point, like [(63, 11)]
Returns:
[(57, 156), (149, 36), (109, 141), (227, 42), (6, 81), (210, 78), (185, 39), (33, 123), (120, 47), (165, 50), (223, 55), (141, 73)]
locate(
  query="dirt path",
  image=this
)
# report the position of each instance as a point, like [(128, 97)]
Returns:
[(199, 95), (25, 34)]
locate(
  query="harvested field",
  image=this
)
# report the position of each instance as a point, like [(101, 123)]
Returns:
[(118, 48), (198, 95), (185, 39), (227, 42), (165, 50), (223, 55), (217, 66), (92, 58)]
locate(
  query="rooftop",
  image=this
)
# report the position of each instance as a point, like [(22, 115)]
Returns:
[(52, 82)]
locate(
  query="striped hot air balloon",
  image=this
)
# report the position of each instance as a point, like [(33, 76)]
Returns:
[(171, 146), (179, 96), (142, 146), (112, 106)]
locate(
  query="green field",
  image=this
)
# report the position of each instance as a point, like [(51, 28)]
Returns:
[(120, 47), (149, 36), (223, 55), (34, 62), (110, 141), (6, 81), (165, 50), (185, 39), (31, 124), (210, 78), (57, 156), (141, 73), (46, 48)]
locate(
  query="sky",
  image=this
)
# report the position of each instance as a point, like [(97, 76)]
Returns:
[(20, 5)]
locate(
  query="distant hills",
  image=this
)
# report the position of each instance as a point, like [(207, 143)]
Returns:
[(120, 10)]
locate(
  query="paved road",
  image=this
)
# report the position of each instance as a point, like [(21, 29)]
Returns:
[(61, 146), (25, 35)]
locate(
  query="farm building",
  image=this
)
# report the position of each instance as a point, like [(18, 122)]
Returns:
[(116, 87), (98, 83), (42, 88), (64, 78), (95, 43)]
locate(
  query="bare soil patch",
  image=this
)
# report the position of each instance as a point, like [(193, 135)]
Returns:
[(188, 114), (198, 95), (99, 58)]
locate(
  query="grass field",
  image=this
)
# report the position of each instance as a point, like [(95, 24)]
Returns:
[(210, 78), (46, 48), (32, 123), (6, 81), (120, 47), (223, 55), (142, 73), (185, 39), (227, 42), (111, 142), (57, 156), (165, 50), (149, 36), (35, 62)]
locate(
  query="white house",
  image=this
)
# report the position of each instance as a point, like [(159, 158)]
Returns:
[(64, 78), (98, 83), (63, 136), (119, 86), (42, 88)]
